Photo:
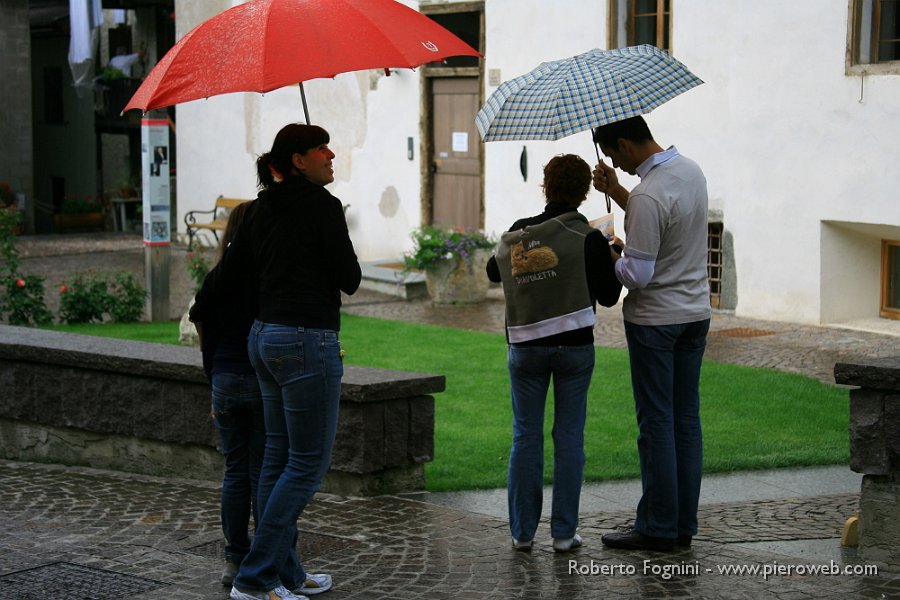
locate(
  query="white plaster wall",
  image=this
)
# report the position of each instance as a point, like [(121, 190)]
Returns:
[(848, 291), (519, 36), (784, 141), (369, 117), (778, 128)]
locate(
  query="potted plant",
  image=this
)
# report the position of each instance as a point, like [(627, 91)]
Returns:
[(454, 262), (80, 214)]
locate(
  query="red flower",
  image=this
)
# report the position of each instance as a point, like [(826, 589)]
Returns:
[(20, 282), (63, 289)]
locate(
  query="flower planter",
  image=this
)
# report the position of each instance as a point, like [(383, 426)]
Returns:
[(79, 221), (457, 281)]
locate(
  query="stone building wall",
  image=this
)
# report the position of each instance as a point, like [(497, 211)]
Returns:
[(16, 151)]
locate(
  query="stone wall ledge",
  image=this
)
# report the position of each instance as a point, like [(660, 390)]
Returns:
[(875, 452), (112, 403), (360, 384), (877, 373)]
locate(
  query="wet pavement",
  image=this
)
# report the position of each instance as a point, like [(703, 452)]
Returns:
[(79, 533), (83, 533)]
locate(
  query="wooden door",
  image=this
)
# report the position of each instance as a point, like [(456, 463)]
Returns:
[(456, 162)]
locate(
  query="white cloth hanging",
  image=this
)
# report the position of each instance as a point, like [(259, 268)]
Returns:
[(85, 16)]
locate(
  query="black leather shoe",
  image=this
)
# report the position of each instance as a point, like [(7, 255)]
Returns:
[(684, 541), (634, 540)]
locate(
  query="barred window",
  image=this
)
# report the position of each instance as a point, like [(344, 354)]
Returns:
[(714, 263)]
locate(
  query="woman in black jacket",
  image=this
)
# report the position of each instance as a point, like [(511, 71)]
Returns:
[(296, 245)]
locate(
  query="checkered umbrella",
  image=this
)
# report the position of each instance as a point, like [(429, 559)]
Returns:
[(566, 96)]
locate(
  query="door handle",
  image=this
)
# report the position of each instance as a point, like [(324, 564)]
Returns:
[(434, 167)]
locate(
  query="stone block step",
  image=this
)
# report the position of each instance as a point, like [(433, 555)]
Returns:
[(388, 277)]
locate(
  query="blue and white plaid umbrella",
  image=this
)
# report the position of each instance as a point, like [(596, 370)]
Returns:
[(566, 96)]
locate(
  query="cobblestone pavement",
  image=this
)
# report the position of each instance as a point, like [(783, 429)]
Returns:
[(80, 533), (72, 532)]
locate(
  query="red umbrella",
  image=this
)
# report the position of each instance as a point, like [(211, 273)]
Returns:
[(264, 45)]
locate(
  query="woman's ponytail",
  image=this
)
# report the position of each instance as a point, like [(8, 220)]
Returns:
[(264, 170)]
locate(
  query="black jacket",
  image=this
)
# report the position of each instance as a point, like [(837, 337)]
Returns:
[(224, 324), (295, 248)]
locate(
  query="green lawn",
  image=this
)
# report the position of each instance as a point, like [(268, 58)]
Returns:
[(752, 418)]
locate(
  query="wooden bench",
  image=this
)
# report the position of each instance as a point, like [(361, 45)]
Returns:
[(218, 223)]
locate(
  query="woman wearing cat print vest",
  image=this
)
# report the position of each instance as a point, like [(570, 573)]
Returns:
[(554, 267)]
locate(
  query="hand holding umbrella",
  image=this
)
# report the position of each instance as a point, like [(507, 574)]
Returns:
[(607, 182)]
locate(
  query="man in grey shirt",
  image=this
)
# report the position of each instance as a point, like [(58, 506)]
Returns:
[(667, 316)]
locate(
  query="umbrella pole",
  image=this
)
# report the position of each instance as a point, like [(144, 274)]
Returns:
[(599, 160), (303, 98)]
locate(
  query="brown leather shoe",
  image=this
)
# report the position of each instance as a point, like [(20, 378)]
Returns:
[(635, 540)]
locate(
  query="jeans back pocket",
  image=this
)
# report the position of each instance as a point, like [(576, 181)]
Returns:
[(285, 362)]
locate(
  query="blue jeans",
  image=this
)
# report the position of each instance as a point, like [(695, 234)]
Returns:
[(237, 410), (530, 370), (665, 379), (299, 371)]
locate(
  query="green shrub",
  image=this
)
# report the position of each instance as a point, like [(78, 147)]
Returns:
[(23, 295), (197, 267), (84, 299), (88, 297), (127, 298), (25, 301)]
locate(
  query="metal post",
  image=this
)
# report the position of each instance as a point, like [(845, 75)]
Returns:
[(157, 263)]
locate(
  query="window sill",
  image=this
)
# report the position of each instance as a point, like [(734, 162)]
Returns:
[(885, 68)]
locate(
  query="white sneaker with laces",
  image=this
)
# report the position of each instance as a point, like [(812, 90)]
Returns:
[(315, 583), (566, 544), (279, 593)]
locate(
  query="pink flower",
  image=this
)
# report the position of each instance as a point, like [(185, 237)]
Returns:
[(20, 282)]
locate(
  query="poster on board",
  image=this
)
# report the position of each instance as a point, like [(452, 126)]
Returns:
[(157, 195)]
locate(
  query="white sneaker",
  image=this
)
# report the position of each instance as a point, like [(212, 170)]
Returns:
[(315, 583), (279, 593), (566, 544), (522, 546)]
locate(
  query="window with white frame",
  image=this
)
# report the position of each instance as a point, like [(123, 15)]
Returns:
[(635, 22), (875, 32)]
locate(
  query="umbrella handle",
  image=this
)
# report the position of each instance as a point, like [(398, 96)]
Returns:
[(303, 98), (599, 160)]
